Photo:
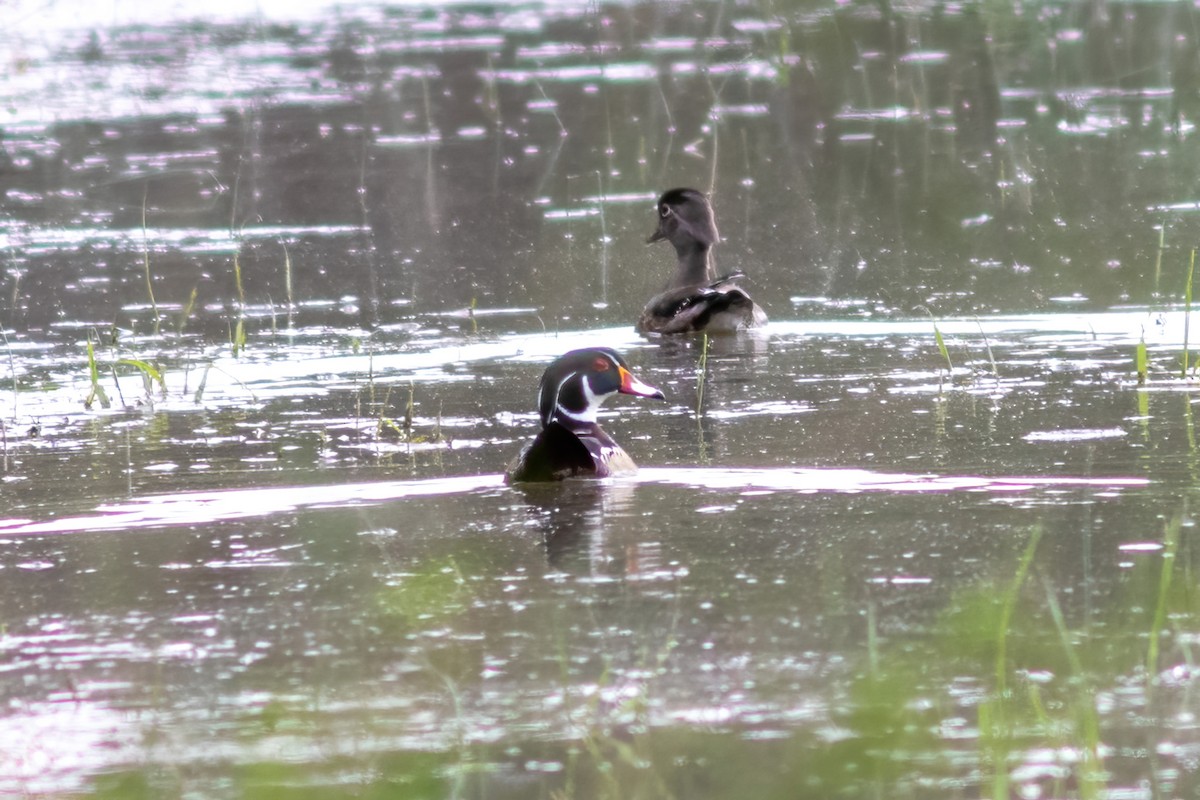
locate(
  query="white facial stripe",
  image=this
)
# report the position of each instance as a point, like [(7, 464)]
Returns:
[(588, 414)]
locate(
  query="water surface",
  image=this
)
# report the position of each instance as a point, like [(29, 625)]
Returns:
[(257, 543)]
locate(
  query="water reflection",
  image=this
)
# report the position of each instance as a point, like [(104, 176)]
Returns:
[(580, 525)]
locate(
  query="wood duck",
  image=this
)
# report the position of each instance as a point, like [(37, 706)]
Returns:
[(695, 299), (571, 442)]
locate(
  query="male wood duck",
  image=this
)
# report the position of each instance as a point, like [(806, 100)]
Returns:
[(571, 442), (695, 299)]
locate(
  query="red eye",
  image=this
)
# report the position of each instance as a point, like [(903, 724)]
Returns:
[(601, 364)]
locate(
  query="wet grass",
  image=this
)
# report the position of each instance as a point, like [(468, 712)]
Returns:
[(1187, 315), (237, 335), (146, 267), (97, 393), (1141, 362)]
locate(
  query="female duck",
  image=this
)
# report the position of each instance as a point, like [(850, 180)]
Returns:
[(695, 299), (571, 442)]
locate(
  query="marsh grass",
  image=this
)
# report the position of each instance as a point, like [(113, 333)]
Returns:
[(701, 376), (1158, 255), (941, 346), (996, 723), (198, 396), (186, 312), (987, 344), (1187, 313), (12, 369), (404, 428), (941, 342), (617, 756), (604, 238), (1159, 620), (150, 375), (238, 335), (287, 284), (1085, 731), (97, 393), (701, 380), (1141, 361), (146, 264)]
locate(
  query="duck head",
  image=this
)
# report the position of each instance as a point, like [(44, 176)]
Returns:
[(575, 385), (686, 220)]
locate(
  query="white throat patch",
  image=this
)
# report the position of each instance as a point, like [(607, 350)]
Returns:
[(588, 414)]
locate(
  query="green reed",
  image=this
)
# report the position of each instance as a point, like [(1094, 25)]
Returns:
[(1090, 771), (187, 310), (1170, 546), (238, 336), (97, 392), (146, 264), (1141, 361), (995, 718), (1187, 312), (1158, 254), (941, 345)]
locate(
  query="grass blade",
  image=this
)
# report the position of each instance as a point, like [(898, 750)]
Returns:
[(1187, 312)]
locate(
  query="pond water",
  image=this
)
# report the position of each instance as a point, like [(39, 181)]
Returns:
[(278, 289)]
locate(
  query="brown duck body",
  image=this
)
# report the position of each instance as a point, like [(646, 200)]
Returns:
[(571, 443), (718, 307), (695, 299)]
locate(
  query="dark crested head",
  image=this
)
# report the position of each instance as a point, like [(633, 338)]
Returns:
[(576, 383), (685, 218)]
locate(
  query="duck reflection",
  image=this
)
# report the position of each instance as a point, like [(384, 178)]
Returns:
[(706, 376), (584, 528)]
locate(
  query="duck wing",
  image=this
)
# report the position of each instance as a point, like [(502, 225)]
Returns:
[(719, 306), (558, 453)]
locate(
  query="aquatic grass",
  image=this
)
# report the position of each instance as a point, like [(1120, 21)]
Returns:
[(1159, 620), (701, 380), (97, 392), (12, 368), (939, 340), (1158, 255), (617, 740), (287, 284), (987, 344), (604, 238), (199, 394), (150, 375), (407, 426), (146, 263), (996, 724), (1187, 312), (403, 429), (1090, 772), (1141, 361), (941, 345), (238, 335), (187, 310)]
